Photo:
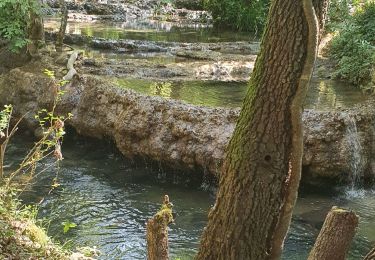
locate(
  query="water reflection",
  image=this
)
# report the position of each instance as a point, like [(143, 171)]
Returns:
[(328, 94), (322, 95), (149, 30)]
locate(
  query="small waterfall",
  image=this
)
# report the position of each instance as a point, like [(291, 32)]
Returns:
[(356, 159)]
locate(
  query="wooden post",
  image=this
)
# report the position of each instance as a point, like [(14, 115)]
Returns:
[(157, 232), (370, 255), (336, 235)]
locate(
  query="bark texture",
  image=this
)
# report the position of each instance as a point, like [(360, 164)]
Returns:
[(321, 10), (262, 168), (64, 23), (370, 255), (35, 31), (157, 232), (336, 235)]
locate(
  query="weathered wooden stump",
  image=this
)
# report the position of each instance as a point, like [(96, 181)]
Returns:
[(157, 232), (336, 235)]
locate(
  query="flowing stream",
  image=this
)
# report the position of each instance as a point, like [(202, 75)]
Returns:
[(355, 150), (110, 200)]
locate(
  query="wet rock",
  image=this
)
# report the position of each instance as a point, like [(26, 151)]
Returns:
[(338, 144), (193, 50), (127, 10), (199, 55)]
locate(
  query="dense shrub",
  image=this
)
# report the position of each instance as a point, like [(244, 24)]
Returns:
[(364, 18), (354, 46), (14, 18), (338, 13), (238, 14)]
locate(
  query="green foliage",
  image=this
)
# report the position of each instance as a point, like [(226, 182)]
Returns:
[(365, 19), (14, 19), (354, 47), (338, 13), (20, 236), (238, 14), (18, 222), (67, 225), (5, 118)]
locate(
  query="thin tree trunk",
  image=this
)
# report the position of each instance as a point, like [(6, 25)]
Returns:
[(260, 177), (336, 235), (157, 232), (64, 23), (2, 155), (321, 9), (370, 255), (35, 31)]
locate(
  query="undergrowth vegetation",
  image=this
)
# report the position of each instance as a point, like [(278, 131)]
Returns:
[(354, 45), (20, 235), (14, 21)]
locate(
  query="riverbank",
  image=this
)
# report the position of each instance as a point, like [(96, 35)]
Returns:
[(21, 237)]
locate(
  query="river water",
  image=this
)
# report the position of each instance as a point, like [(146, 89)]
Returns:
[(111, 198), (322, 95)]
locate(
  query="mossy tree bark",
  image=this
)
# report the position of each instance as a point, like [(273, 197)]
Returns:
[(260, 178), (35, 29), (63, 24), (157, 232), (336, 235)]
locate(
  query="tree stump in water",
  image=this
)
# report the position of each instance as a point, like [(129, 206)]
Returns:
[(157, 232), (336, 235), (370, 255)]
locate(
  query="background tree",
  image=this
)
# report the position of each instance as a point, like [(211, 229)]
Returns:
[(21, 24), (63, 24), (259, 182)]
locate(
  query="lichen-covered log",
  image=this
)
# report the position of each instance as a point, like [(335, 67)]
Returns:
[(183, 135), (336, 235), (157, 232)]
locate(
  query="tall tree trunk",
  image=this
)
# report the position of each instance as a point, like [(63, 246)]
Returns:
[(260, 178), (63, 24), (336, 235), (321, 10), (35, 29)]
